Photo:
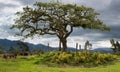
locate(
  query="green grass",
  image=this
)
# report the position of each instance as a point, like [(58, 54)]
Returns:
[(26, 64)]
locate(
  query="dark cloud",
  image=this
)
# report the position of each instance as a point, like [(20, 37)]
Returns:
[(110, 16), (115, 31), (115, 6), (113, 10)]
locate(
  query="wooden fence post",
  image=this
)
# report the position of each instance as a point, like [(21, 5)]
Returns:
[(79, 47), (76, 47), (48, 48)]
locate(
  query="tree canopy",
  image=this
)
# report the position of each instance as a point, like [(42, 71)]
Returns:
[(56, 18)]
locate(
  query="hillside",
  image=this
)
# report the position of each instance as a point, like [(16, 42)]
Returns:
[(6, 44)]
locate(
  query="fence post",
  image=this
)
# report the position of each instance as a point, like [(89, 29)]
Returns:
[(48, 48), (76, 47), (80, 47)]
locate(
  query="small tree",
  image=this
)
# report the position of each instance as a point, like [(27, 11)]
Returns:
[(24, 47), (115, 45), (87, 45), (58, 19), (13, 50)]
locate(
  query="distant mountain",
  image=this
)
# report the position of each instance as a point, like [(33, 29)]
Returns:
[(103, 50), (6, 44)]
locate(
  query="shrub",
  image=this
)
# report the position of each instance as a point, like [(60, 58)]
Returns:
[(117, 53), (72, 58)]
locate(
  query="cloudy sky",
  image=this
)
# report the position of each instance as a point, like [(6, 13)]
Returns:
[(109, 13)]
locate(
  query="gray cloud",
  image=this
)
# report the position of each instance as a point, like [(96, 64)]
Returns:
[(2, 6), (31, 2), (115, 6), (7, 29)]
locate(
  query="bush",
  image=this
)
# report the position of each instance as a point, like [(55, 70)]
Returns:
[(72, 58), (117, 53)]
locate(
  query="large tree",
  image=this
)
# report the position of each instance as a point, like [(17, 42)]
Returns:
[(56, 18)]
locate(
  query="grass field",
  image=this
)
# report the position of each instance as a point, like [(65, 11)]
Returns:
[(26, 64)]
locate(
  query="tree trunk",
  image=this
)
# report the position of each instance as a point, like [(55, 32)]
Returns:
[(64, 44), (59, 45)]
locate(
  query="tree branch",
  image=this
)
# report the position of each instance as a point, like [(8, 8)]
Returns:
[(68, 33)]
